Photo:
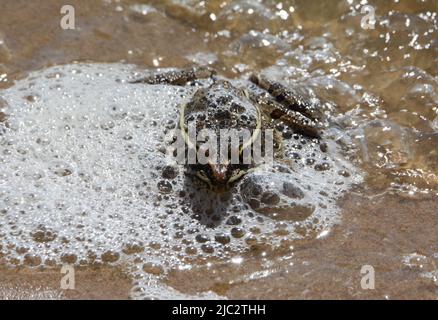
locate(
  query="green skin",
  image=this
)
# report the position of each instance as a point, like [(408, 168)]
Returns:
[(222, 106)]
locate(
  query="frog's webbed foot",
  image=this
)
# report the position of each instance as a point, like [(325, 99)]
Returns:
[(178, 77), (298, 121), (293, 109)]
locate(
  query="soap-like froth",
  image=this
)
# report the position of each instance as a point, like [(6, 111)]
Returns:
[(85, 178)]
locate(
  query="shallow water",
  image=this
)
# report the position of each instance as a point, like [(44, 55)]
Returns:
[(379, 88)]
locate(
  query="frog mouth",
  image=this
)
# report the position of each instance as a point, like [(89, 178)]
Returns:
[(226, 183)]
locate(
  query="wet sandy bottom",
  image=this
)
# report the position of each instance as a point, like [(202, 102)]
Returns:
[(378, 232), (97, 283)]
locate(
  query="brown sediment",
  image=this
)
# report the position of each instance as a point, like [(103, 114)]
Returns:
[(92, 282)]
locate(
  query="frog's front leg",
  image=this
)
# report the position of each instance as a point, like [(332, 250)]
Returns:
[(287, 98), (295, 120), (178, 77)]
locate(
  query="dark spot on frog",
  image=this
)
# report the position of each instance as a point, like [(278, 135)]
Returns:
[(222, 114), (224, 99), (237, 108)]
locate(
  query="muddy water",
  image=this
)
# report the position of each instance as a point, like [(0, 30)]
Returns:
[(379, 84)]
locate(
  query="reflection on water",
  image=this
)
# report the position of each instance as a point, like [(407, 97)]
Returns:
[(380, 85)]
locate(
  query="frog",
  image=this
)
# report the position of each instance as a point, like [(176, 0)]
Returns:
[(223, 106)]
